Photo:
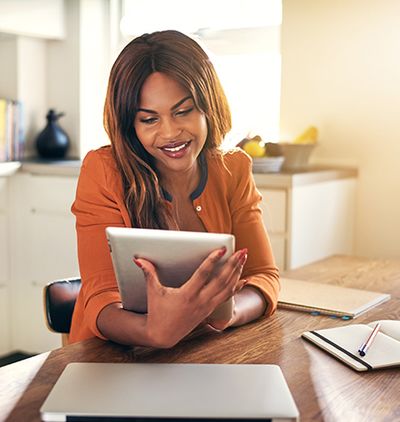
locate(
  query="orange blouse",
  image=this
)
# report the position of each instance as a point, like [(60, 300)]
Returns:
[(227, 203)]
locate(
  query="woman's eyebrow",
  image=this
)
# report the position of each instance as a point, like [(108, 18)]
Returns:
[(175, 106)]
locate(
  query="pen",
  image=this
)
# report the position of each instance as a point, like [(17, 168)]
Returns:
[(365, 346)]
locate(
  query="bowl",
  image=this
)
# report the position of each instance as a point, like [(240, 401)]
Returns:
[(296, 156), (267, 164)]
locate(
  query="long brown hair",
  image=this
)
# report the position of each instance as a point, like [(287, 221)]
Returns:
[(181, 58)]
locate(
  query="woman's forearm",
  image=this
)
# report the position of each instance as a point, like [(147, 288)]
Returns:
[(124, 327), (249, 305)]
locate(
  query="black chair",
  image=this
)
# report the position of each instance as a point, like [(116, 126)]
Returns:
[(59, 302)]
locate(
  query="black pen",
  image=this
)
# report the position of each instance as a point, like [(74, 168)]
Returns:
[(365, 346)]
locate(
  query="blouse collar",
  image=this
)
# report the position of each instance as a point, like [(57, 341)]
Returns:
[(202, 183)]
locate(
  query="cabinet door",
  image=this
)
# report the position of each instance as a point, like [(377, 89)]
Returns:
[(52, 242), (30, 333), (278, 244), (4, 319), (273, 207), (274, 211), (4, 290), (4, 270), (322, 221), (3, 230), (4, 248), (44, 250)]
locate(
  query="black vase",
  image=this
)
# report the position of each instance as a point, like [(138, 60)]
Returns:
[(52, 142)]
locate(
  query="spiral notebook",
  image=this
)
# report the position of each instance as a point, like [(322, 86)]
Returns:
[(343, 343), (327, 299)]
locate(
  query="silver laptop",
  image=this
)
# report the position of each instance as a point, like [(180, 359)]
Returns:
[(152, 391), (175, 254)]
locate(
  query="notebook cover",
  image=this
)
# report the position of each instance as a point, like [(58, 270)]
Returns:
[(343, 343), (327, 298)]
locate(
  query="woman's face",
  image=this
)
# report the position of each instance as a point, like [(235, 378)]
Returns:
[(169, 125)]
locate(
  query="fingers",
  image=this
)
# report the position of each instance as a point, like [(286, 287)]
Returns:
[(149, 271), (227, 281), (205, 271)]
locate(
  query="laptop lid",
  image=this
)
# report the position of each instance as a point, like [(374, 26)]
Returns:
[(97, 391)]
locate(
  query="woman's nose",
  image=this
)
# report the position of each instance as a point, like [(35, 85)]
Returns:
[(169, 129)]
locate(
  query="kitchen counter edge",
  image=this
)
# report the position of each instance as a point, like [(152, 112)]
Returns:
[(285, 179)]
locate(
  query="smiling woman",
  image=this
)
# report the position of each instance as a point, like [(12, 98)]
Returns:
[(166, 115)]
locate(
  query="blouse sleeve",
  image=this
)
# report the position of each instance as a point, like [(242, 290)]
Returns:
[(260, 270), (96, 207)]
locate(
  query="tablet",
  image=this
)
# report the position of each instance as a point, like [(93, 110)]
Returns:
[(175, 254)]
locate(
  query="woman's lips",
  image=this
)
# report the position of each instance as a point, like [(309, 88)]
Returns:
[(176, 150)]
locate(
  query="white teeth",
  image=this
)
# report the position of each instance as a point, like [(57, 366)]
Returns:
[(175, 149)]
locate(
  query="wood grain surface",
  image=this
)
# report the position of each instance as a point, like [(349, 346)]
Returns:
[(323, 388)]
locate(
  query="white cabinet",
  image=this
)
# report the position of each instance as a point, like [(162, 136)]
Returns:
[(274, 207), (43, 249), (4, 269), (321, 221), (308, 216)]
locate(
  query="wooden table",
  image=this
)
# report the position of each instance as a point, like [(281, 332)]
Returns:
[(323, 388)]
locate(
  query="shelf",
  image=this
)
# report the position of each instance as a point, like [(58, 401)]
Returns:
[(9, 168)]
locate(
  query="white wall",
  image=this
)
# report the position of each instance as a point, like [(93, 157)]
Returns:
[(78, 68), (22, 17), (63, 76), (341, 72), (32, 87), (23, 77), (8, 60), (94, 58)]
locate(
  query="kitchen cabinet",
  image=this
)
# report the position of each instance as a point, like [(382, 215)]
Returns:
[(274, 207), (43, 249), (309, 215), (4, 269)]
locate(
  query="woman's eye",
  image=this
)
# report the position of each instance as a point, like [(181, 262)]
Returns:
[(148, 121), (184, 112)]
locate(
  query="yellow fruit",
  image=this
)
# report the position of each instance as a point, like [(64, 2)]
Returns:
[(309, 136), (254, 148)]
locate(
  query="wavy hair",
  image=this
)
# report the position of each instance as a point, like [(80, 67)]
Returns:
[(182, 59)]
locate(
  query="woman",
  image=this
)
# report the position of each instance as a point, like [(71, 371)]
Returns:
[(166, 115)]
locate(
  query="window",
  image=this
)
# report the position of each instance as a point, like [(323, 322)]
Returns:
[(242, 38)]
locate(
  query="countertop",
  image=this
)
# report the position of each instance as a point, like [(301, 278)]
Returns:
[(306, 176), (69, 167), (283, 179), (54, 168)]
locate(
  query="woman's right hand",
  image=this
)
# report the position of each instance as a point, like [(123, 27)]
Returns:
[(172, 313)]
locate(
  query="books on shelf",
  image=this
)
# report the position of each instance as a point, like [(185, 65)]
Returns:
[(344, 344), (11, 130), (327, 299)]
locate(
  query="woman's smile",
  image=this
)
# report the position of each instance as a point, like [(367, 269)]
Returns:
[(176, 150)]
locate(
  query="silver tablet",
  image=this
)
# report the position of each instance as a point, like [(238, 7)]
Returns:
[(175, 254)]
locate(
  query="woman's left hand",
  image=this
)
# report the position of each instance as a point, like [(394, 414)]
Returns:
[(221, 324), (248, 305)]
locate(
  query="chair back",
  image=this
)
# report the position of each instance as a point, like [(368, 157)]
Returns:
[(59, 302)]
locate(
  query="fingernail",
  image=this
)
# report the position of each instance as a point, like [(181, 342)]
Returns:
[(242, 253), (221, 252), (138, 263), (243, 259)]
